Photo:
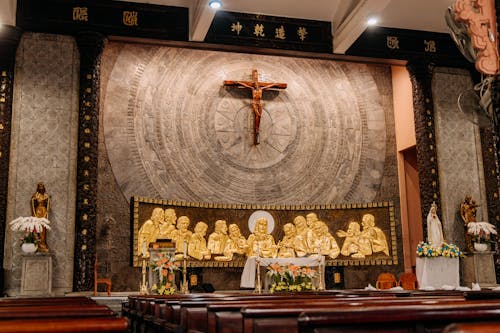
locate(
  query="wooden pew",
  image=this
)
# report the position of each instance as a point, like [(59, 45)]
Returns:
[(395, 318), (65, 325), (57, 314), (55, 311), (224, 315), (284, 317), (489, 327)]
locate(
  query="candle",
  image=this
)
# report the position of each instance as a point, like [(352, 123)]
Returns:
[(143, 249), (258, 250), (185, 249)]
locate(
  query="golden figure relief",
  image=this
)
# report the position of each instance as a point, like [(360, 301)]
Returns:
[(217, 239), (149, 231), (286, 245), (197, 247), (354, 245), (168, 225), (236, 244), (324, 241), (303, 236), (261, 243), (181, 236), (40, 204), (375, 235)]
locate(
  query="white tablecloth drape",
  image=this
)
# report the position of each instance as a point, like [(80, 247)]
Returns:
[(248, 275), (438, 272)]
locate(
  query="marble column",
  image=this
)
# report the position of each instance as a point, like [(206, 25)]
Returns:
[(91, 45), (9, 40)]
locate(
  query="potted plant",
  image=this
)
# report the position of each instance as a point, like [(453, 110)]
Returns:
[(481, 234), (31, 226)]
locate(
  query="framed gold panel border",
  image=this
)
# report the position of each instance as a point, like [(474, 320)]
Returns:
[(337, 217)]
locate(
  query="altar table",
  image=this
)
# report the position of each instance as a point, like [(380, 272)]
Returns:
[(438, 271), (248, 275)]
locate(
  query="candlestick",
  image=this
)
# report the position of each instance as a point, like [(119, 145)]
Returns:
[(258, 287), (143, 289)]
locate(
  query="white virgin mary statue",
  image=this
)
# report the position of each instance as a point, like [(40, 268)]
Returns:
[(434, 228)]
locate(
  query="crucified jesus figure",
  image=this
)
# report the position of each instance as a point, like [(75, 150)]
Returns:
[(257, 89)]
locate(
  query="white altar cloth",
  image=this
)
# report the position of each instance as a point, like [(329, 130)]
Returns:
[(248, 275), (438, 272)]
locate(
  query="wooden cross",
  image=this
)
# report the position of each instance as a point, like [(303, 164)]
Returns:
[(257, 89)]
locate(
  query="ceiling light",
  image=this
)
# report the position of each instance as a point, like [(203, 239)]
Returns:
[(372, 21), (215, 4)]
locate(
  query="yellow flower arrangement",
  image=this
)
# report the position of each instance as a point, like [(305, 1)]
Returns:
[(445, 250), (291, 278)]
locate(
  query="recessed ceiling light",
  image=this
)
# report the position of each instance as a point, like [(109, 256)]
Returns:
[(372, 21), (215, 4)]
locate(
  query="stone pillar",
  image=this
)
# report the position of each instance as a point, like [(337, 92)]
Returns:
[(421, 73), (91, 45), (9, 40)]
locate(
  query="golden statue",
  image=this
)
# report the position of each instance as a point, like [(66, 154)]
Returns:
[(468, 211), (217, 239), (303, 236), (181, 236), (236, 244), (168, 225), (286, 245), (197, 247), (40, 204), (374, 235), (261, 243), (149, 231), (354, 245), (324, 240)]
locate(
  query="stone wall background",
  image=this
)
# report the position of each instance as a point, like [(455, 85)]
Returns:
[(459, 153), (44, 135), (169, 130)]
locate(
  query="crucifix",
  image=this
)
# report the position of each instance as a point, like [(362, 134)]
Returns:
[(257, 89)]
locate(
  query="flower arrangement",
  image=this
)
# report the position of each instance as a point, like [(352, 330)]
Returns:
[(31, 225), (164, 266), (291, 278), (445, 250), (481, 231)]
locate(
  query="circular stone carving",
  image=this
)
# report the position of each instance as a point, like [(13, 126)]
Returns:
[(173, 131)]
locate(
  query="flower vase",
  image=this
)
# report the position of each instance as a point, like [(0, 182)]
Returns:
[(28, 247), (481, 247)]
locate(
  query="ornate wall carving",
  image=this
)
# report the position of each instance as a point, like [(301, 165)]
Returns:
[(423, 108), (173, 133), (90, 45), (9, 39)]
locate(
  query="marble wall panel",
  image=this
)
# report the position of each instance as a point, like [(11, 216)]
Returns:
[(44, 134), (459, 153)]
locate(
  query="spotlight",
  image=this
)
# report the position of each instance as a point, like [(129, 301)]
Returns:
[(215, 4), (372, 21)]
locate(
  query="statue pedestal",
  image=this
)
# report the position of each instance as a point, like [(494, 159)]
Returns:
[(36, 278), (437, 272), (478, 267)]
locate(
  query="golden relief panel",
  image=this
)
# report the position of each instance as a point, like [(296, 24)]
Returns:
[(224, 235)]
